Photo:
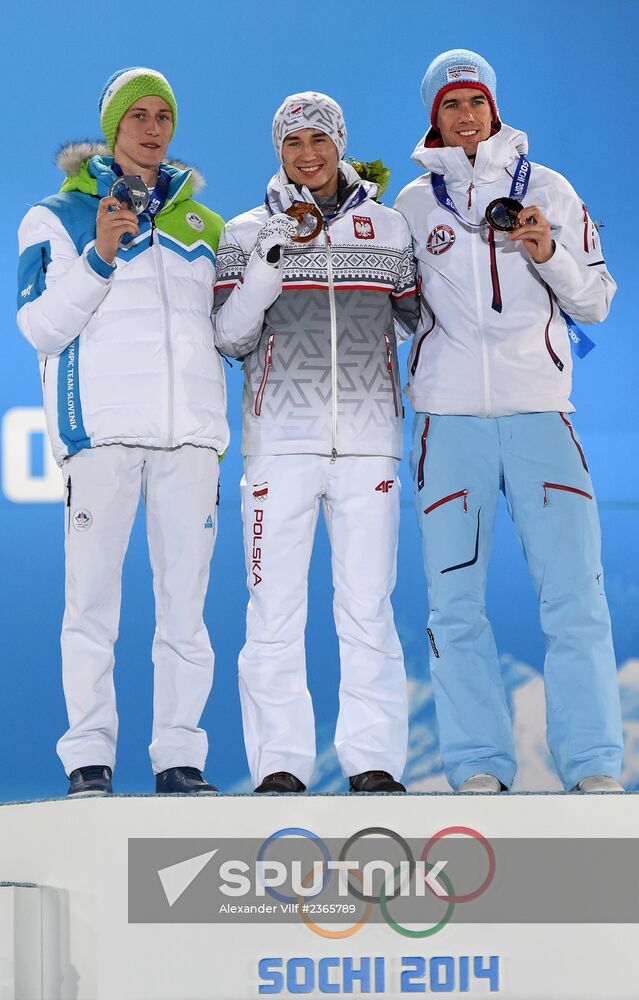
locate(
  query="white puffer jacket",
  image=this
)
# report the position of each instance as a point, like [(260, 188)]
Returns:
[(495, 342), (126, 355)]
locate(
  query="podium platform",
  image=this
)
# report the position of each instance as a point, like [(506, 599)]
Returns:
[(99, 900)]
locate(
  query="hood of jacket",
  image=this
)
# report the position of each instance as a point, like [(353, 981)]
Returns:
[(493, 155), (281, 193), (89, 168)]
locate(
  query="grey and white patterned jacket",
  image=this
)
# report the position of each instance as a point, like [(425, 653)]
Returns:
[(318, 333)]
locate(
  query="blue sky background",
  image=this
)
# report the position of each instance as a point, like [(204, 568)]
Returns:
[(566, 73)]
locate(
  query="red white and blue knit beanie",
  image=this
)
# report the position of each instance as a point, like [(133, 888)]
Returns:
[(123, 89), (458, 68)]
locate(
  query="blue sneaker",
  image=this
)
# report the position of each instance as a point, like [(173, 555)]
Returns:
[(92, 780), (182, 781)]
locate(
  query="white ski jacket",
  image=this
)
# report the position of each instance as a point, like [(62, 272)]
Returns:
[(495, 342), (317, 333)]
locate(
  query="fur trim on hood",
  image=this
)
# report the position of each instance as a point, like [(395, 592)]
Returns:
[(71, 156)]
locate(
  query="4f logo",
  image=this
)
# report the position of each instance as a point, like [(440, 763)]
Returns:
[(385, 486), (363, 227)]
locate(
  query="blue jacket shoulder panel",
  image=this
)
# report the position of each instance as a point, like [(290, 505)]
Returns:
[(76, 211)]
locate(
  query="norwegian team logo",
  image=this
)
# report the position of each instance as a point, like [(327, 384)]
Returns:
[(440, 239), (194, 221), (260, 491), (462, 71), (363, 227), (82, 520)]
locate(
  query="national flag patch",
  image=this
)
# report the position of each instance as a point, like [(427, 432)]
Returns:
[(363, 227), (260, 491)]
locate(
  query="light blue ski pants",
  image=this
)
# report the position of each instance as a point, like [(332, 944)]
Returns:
[(459, 465)]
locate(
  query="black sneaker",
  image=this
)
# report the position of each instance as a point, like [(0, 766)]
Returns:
[(182, 780), (281, 781), (92, 780), (374, 781)]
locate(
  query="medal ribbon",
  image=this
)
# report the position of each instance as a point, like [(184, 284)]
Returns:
[(518, 188), (158, 194)]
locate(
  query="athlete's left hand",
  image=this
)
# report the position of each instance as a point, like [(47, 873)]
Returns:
[(534, 233)]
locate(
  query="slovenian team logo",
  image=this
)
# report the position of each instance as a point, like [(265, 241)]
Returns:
[(195, 222), (82, 520), (440, 239)]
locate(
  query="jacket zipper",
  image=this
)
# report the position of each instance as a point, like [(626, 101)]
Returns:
[(586, 247), (480, 323), (389, 365), (333, 311), (161, 276), (413, 367), (555, 357), (268, 361), (44, 371), (451, 496), (470, 194), (575, 441), (567, 489), (494, 274), (422, 457), (69, 504)]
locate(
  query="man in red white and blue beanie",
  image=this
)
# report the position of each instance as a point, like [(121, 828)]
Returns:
[(509, 261)]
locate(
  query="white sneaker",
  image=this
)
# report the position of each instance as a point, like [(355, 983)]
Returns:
[(481, 783), (598, 783)]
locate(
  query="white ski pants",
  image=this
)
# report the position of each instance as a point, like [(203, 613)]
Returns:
[(103, 487), (280, 501)]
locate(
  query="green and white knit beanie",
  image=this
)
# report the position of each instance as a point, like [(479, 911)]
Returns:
[(123, 89)]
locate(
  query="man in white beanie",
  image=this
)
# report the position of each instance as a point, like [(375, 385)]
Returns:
[(117, 303), (509, 261), (314, 323)]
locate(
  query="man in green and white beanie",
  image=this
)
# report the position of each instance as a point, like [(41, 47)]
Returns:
[(123, 89), (118, 307)]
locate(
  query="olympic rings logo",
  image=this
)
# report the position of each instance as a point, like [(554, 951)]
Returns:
[(383, 899)]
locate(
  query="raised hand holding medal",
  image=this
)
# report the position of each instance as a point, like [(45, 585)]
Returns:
[(112, 223), (533, 230)]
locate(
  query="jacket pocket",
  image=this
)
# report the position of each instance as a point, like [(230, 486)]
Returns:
[(268, 361), (566, 489), (422, 456), (556, 360), (575, 441), (459, 495), (389, 366), (68, 504), (413, 367)]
